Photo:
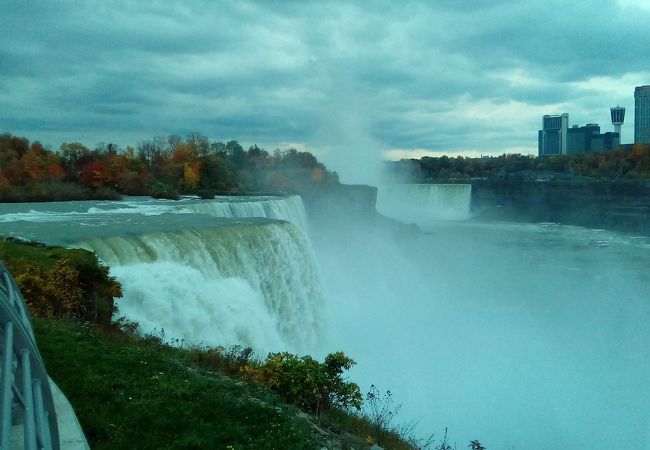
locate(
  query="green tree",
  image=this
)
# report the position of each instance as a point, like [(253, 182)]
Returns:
[(236, 154)]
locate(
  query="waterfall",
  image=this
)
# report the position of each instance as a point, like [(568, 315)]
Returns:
[(254, 284), (424, 203), (290, 208), (231, 270)]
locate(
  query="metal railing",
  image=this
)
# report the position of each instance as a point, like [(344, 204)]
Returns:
[(25, 396)]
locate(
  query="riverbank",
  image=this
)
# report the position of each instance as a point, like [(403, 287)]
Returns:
[(133, 392)]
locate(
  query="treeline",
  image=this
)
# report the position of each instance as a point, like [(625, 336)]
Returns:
[(628, 164), (160, 167)]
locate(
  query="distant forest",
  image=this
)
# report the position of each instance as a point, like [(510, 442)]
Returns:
[(161, 167), (621, 164)]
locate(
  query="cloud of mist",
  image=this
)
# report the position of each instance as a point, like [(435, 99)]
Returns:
[(473, 327), (346, 144)]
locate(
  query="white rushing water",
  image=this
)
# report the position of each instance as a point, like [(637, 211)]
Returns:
[(255, 285)]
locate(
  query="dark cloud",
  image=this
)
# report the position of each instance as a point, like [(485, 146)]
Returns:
[(330, 76)]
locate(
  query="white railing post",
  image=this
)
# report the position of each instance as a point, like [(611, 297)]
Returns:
[(6, 384), (28, 398)]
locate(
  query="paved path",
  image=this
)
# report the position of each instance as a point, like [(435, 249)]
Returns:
[(71, 436)]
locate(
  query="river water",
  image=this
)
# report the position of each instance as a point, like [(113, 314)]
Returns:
[(518, 335)]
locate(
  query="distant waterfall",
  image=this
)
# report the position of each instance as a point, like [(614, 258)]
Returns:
[(252, 284), (290, 209), (424, 203)]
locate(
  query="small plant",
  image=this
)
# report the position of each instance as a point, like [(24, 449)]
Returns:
[(444, 445), (381, 412), (231, 361), (476, 445), (406, 432)]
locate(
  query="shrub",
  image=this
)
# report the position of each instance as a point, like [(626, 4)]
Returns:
[(58, 282), (308, 384), (161, 190), (206, 194), (231, 361), (54, 292)]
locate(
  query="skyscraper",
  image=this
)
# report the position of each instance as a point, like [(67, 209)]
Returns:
[(552, 138), (642, 115)]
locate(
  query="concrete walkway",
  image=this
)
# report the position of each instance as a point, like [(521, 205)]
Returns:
[(71, 436)]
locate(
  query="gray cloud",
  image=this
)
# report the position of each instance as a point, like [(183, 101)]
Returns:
[(336, 78)]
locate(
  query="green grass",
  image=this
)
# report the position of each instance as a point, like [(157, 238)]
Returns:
[(19, 254), (136, 393)]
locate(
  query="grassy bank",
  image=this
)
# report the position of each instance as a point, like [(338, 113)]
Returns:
[(131, 392)]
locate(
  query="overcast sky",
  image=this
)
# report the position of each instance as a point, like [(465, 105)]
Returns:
[(348, 81)]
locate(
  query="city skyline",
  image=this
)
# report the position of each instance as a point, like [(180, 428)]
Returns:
[(558, 136), (349, 82)]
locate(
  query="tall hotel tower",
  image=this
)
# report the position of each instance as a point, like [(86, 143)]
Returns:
[(552, 138), (642, 115)]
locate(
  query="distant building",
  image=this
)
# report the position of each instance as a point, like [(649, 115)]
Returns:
[(642, 115), (618, 117), (552, 138), (605, 142), (589, 139), (579, 138)]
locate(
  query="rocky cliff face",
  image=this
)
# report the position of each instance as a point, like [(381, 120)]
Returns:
[(616, 205), (342, 208)]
